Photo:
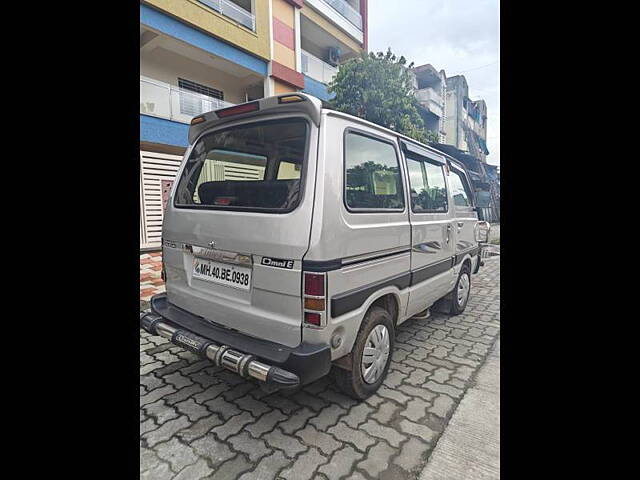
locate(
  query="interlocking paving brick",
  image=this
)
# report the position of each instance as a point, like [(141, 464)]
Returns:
[(411, 454), (160, 411), (386, 433), (418, 430), (447, 389), (177, 454), (442, 406), (150, 367), (223, 408), (250, 404), (166, 431), (201, 421), (178, 380), (159, 471), (212, 449), (297, 420), (357, 415), (314, 438), (313, 402), (238, 391), (182, 394), (265, 423), (327, 416), (385, 412), (197, 471), (231, 468), (147, 426), (287, 443), (341, 462), (210, 392), (417, 392), (416, 409), (192, 410), (150, 382), (156, 394), (200, 428), (304, 465), (377, 460), (417, 377), (233, 425), (267, 468), (255, 449), (345, 433)]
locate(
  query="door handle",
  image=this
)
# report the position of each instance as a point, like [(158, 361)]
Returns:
[(448, 233), (460, 224)]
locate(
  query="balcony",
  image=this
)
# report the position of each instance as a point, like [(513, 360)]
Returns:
[(233, 11), (317, 69), (431, 100), (347, 11), (160, 99)]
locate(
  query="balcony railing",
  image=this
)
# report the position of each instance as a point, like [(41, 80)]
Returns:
[(317, 69), (431, 100), (162, 100), (347, 11), (429, 95), (233, 11)]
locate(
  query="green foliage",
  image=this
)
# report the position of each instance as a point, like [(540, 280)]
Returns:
[(378, 88)]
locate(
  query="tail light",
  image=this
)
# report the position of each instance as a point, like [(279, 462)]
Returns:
[(314, 299)]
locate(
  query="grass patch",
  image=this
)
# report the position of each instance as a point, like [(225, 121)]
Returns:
[(495, 241)]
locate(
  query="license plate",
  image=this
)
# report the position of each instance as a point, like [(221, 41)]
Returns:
[(222, 273)]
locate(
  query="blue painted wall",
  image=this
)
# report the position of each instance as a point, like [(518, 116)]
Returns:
[(174, 28), (317, 89), (165, 132)]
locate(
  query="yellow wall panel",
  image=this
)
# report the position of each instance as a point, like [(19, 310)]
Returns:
[(280, 87), (283, 11), (284, 55), (200, 16)]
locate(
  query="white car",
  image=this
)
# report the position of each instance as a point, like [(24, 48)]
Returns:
[(297, 238)]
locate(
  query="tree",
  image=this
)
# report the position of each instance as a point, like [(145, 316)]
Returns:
[(378, 88)]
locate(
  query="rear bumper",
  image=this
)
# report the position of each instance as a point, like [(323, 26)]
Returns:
[(269, 362)]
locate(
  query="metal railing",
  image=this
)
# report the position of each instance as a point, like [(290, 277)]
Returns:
[(233, 11), (162, 100), (317, 69), (347, 11)]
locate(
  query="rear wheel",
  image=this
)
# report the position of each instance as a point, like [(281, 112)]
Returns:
[(371, 356)]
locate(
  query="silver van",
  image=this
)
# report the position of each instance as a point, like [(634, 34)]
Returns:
[(297, 238)]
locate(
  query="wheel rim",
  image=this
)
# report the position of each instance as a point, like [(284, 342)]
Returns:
[(464, 285), (375, 354)]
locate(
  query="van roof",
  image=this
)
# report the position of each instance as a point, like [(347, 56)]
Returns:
[(296, 102), (290, 102)]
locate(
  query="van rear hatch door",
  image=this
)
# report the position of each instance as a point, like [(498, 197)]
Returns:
[(238, 226)]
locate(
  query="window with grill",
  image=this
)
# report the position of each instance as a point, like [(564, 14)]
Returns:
[(193, 103)]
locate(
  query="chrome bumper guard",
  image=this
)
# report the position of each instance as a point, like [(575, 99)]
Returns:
[(243, 364)]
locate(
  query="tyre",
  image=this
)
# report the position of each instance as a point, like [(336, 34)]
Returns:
[(460, 294), (371, 356)]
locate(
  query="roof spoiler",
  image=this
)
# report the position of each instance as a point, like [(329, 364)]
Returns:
[(288, 103)]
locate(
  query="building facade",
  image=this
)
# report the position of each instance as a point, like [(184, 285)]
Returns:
[(466, 119), (430, 89), (448, 111), (202, 55)]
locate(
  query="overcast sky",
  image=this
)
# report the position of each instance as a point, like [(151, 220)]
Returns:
[(459, 36)]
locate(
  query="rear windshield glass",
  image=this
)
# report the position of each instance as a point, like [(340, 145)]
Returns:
[(258, 166)]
